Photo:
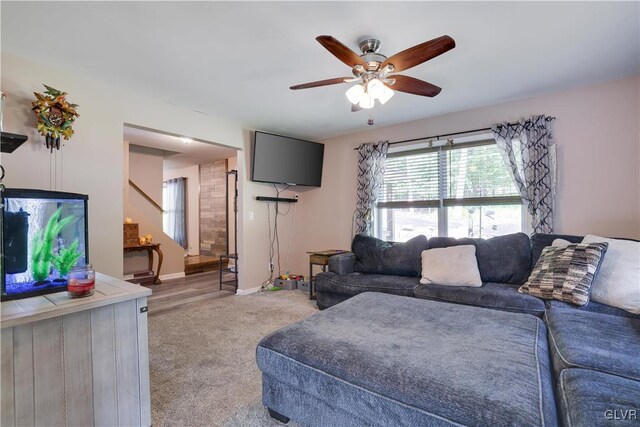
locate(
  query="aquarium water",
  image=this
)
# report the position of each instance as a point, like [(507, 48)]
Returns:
[(43, 239)]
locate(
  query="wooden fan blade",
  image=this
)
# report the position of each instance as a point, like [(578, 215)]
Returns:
[(418, 54), (414, 86), (355, 108), (319, 83), (340, 51)]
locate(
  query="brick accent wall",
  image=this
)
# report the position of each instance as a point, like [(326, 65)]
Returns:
[(213, 233)]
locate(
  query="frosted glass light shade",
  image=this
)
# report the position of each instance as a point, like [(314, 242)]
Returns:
[(375, 88), (385, 95), (355, 93), (367, 101)]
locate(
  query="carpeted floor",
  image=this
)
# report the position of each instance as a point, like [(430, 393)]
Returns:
[(202, 359)]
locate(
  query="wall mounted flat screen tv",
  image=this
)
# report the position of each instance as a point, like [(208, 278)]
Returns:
[(283, 160), (44, 235)]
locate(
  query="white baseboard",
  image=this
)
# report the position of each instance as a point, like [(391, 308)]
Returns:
[(172, 276), (248, 291)]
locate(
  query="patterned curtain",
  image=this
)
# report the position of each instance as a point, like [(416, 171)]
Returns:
[(529, 151), (371, 163), (174, 201)]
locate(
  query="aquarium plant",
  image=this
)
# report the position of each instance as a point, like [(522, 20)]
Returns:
[(66, 259), (42, 246)]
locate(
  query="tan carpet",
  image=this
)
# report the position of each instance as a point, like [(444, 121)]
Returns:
[(202, 359)]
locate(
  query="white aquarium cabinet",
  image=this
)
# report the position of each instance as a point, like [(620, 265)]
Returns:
[(76, 362)]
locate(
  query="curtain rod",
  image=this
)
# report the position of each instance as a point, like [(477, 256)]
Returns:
[(548, 119), (437, 136)]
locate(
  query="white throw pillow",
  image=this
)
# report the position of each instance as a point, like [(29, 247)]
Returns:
[(560, 243), (453, 266), (618, 281)]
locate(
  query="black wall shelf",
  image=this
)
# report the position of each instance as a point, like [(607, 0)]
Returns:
[(276, 199), (11, 141)]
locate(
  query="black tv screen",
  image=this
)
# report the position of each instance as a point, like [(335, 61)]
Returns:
[(283, 160)]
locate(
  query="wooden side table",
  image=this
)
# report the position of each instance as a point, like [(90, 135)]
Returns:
[(320, 258), (150, 248)]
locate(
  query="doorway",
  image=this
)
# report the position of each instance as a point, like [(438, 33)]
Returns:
[(174, 196)]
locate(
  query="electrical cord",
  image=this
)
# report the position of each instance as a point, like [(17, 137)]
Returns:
[(293, 227), (275, 224), (274, 237), (269, 281)]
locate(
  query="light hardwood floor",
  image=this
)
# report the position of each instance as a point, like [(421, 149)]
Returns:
[(188, 291)]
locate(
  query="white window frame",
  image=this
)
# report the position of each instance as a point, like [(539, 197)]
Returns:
[(443, 229)]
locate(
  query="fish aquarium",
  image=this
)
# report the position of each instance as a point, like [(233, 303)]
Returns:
[(44, 236)]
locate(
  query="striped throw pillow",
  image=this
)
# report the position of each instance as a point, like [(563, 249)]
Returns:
[(565, 273)]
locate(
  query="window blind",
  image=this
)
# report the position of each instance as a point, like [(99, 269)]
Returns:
[(469, 174), (411, 180), (476, 175)]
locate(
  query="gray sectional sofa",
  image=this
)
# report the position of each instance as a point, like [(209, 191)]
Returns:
[(505, 263), (389, 351)]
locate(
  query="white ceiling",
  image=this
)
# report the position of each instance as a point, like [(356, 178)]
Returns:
[(177, 154), (237, 60)]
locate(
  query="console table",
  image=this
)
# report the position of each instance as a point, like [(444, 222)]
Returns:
[(320, 258), (150, 248), (76, 362)]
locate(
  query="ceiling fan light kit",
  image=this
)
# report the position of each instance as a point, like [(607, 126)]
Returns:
[(365, 94), (372, 70), (367, 101), (355, 94)]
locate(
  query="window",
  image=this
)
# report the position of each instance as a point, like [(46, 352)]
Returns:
[(461, 190), (174, 203)]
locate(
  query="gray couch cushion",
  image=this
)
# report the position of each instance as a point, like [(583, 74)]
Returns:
[(303, 398), (594, 307), (325, 300), (502, 259), (439, 363), (376, 256), (591, 398), (342, 263), (498, 296), (580, 339), (540, 241), (356, 283)]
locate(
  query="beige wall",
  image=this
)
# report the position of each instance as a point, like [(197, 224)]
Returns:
[(598, 136), (146, 171), (192, 174), (597, 133), (92, 162), (253, 238)]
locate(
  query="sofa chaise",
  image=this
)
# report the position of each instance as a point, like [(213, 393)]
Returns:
[(387, 360), (384, 353)]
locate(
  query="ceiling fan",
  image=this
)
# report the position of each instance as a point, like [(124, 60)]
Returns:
[(372, 71)]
